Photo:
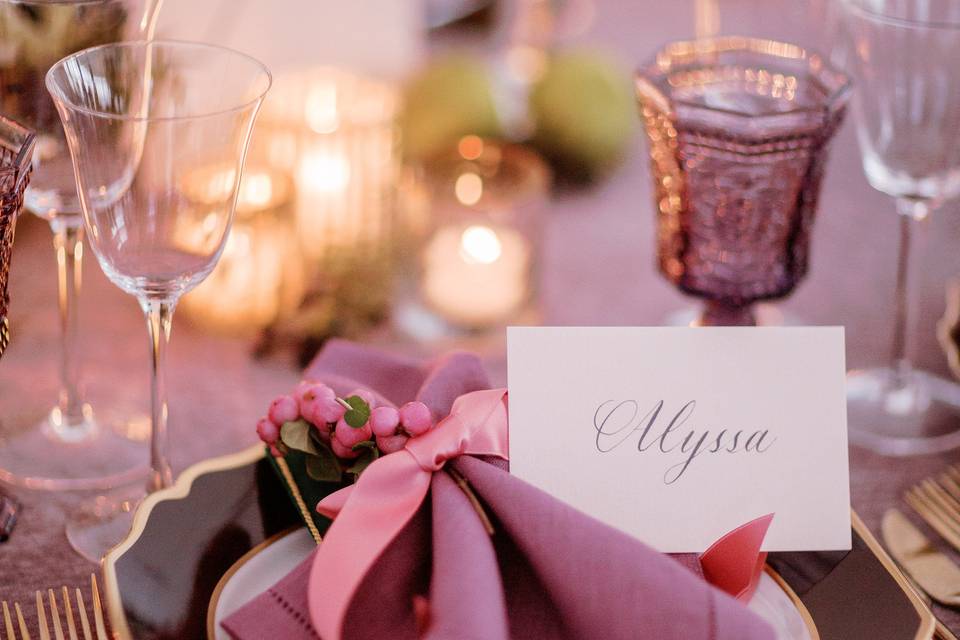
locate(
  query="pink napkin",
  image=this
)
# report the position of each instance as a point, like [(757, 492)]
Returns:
[(548, 571)]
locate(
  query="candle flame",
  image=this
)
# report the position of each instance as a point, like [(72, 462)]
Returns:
[(325, 172), (469, 188), (256, 190), (480, 245)]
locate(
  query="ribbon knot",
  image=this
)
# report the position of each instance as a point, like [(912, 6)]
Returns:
[(369, 514)]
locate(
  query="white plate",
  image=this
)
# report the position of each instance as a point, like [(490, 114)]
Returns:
[(261, 569)]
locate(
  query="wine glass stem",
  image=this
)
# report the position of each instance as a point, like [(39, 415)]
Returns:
[(68, 243), (912, 215), (159, 319)]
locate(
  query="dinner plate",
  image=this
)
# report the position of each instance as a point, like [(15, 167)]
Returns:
[(264, 565), (186, 538)]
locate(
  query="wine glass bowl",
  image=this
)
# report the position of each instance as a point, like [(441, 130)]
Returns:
[(907, 110), (144, 120), (738, 130), (135, 144)]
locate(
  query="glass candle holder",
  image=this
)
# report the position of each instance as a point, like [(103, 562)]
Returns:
[(738, 131), (260, 276), (477, 247), (16, 150), (334, 133)]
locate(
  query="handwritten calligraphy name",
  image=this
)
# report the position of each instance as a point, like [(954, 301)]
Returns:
[(616, 421)]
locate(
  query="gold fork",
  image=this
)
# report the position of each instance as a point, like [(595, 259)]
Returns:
[(937, 501), (44, 630)]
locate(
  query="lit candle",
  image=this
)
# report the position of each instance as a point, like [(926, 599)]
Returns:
[(476, 275), (340, 135), (259, 274)]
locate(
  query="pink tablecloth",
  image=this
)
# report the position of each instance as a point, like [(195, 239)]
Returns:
[(598, 269)]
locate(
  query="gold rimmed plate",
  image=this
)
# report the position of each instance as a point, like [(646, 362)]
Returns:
[(186, 538)]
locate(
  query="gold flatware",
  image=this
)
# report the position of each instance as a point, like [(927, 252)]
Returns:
[(937, 501), (930, 573), (936, 574), (43, 629)]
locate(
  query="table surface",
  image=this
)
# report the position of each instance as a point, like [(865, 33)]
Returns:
[(590, 276)]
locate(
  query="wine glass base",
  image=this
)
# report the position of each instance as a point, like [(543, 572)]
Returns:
[(920, 417), (101, 524), (90, 456)]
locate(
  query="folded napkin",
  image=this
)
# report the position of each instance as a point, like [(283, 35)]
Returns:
[(548, 571)]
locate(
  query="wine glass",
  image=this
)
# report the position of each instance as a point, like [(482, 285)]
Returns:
[(142, 121), (903, 55), (68, 447)]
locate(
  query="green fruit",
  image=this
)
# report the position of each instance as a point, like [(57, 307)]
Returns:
[(450, 98), (584, 112)]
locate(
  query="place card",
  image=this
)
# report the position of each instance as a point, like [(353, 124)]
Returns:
[(679, 435)]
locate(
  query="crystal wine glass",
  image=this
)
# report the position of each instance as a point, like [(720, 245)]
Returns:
[(903, 55), (68, 447), (142, 120)]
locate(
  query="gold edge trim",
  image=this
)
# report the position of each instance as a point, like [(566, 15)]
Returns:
[(928, 625), (181, 488), (242, 560), (797, 602)]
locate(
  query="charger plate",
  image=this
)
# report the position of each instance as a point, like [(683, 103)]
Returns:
[(264, 565), (185, 539)]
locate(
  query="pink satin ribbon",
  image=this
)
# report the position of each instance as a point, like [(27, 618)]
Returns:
[(370, 513)]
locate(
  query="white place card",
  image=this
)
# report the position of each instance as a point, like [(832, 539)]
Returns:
[(679, 435)]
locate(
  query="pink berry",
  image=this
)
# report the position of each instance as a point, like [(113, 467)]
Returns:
[(389, 444), (416, 418), (319, 404), (367, 396), (341, 451), (302, 387), (384, 421), (268, 431), (348, 436), (283, 409)]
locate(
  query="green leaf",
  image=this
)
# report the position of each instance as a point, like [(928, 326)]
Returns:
[(369, 455), (359, 413), (296, 435), (324, 466)]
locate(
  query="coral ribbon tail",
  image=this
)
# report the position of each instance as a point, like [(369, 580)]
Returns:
[(734, 562), (371, 513)]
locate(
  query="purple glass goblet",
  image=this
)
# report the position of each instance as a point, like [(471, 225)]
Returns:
[(738, 131), (16, 151)]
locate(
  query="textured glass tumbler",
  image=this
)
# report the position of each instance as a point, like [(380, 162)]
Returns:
[(738, 131), (903, 56), (16, 149)]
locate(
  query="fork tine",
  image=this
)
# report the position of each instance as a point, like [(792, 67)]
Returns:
[(68, 614), (84, 623), (55, 614), (24, 634), (97, 610), (42, 618), (949, 483), (949, 508), (8, 621), (921, 504)]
